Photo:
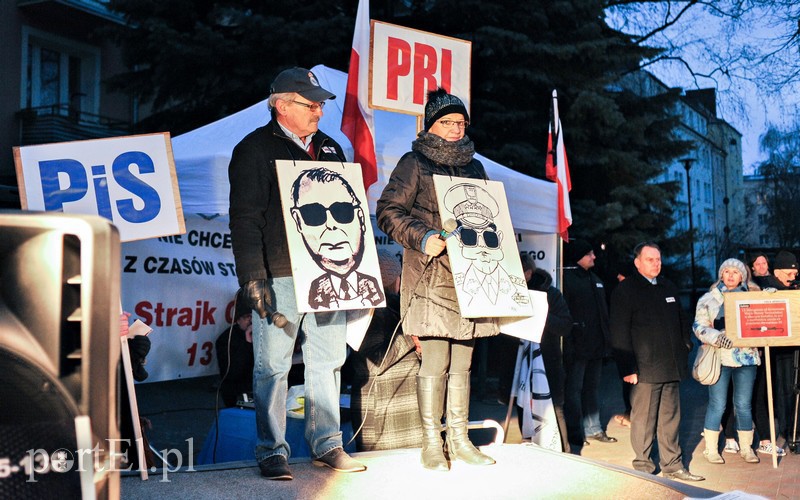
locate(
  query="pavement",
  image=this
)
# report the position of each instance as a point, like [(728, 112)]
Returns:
[(182, 411), (735, 475)]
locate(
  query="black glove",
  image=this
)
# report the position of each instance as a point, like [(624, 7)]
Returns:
[(724, 341), (257, 297), (138, 347)]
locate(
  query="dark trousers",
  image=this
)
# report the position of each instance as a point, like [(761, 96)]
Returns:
[(656, 411), (783, 390), (761, 403), (581, 409)]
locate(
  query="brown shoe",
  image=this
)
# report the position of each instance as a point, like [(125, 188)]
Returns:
[(338, 460), (683, 475), (602, 437)]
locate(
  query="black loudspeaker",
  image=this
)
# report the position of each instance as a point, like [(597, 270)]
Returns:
[(59, 353)]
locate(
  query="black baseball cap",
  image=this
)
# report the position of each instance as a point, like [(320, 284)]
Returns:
[(301, 81)]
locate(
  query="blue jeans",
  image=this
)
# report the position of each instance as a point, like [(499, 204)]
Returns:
[(324, 351), (743, 380), (581, 409)]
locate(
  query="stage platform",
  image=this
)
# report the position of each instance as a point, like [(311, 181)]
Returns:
[(522, 471)]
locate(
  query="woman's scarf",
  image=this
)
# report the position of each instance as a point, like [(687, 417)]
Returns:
[(439, 150)]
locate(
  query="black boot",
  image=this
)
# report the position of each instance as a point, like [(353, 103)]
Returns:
[(458, 443), (430, 396)]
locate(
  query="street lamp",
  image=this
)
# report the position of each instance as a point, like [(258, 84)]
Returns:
[(687, 164)]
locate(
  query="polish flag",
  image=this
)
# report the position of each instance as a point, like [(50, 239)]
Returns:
[(557, 170), (357, 122)]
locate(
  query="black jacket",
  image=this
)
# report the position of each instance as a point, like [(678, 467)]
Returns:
[(406, 211), (258, 233), (557, 326), (770, 281), (650, 331), (586, 298)]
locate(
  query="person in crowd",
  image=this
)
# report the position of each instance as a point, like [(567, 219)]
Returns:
[(138, 348), (624, 418), (759, 264), (651, 344), (786, 270), (235, 355), (782, 359), (738, 363), (383, 401), (762, 277), (557, 328), (587, 345), (261, 253), (407, 212)]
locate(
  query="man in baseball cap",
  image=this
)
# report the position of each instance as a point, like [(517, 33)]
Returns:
[(785, 265), (300, 81), (264, 270)]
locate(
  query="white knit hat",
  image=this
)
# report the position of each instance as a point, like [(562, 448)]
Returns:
[(735, 264)]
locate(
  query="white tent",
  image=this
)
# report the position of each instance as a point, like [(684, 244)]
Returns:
[(202, 157)]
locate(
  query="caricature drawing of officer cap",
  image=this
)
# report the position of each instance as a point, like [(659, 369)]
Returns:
[(471, 205)]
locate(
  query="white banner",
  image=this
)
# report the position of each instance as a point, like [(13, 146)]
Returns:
[(182, 287), (539, 422)]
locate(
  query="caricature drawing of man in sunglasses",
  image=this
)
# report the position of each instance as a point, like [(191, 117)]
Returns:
[(329, 217), (485, 279)]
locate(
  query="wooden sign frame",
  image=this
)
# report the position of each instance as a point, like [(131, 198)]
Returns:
[(763, 319)]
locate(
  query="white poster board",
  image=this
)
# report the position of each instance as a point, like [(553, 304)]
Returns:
[(129, 180), (331, 244), (484, 256), (532, 327), (406, 64)]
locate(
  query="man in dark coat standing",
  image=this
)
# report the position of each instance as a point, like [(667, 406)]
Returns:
[(585, 348), (650, 338)]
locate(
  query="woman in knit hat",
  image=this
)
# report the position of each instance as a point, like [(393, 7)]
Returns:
[(409, 214), (739, 364)]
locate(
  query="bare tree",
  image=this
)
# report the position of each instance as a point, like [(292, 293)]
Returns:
[(744, 46), (781, 190)]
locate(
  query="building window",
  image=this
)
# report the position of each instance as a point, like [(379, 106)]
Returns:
[(59, 74), (763, 240)]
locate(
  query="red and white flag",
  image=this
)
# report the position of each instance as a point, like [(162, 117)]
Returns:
[(557, 170), (357, 122)]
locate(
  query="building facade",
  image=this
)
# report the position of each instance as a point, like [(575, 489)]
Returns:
[(710, 200), (55, 60)]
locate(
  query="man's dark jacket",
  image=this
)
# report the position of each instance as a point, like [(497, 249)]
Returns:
[(557, 326), (770, 281), (649, 330), (258, 233), (586, 298)]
